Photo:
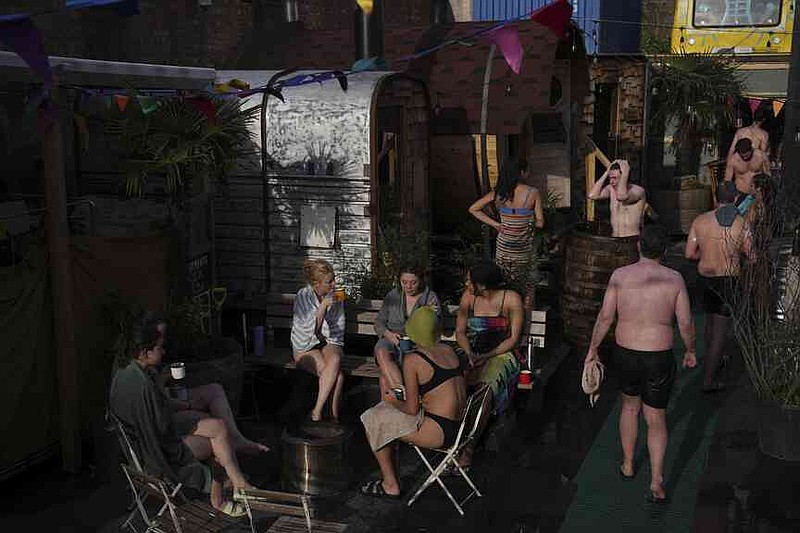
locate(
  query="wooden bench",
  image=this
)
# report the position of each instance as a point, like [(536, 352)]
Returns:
[(360, 319)]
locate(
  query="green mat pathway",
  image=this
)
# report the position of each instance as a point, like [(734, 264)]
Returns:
[(605, 502)]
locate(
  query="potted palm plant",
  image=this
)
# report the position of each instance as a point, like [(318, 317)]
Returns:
[(691, 93), (180, 149)]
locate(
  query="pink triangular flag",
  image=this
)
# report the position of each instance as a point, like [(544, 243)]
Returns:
[(754, 103), (555, 15), (507, 40), (777, 105)]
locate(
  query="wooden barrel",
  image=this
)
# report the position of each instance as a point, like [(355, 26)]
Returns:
[(677, 209), (315, 458), (588, 264)]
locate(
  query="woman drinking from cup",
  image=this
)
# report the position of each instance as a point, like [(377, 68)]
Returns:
[(318, 333), (488, 328), (390, 324)]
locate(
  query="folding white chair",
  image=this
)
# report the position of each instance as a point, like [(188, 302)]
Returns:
[(467, 433), (143, 485)]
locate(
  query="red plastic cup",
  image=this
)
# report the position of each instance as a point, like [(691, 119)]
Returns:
[(525, 377)]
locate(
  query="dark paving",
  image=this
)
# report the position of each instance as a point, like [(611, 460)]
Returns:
[(525, 468)]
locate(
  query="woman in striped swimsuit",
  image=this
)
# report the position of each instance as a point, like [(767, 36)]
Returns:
[(520, 208)]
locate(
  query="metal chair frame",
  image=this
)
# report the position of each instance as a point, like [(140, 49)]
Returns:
[(132, 468), (467, 433)]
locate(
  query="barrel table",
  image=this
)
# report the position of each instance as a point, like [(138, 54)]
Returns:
[(315, 458), (588, 264)]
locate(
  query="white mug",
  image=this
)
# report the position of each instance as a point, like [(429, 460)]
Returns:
[(178, 370)]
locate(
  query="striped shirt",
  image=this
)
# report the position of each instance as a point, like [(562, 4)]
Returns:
[(304, 321)]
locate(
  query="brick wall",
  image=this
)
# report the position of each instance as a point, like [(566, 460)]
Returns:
[(629, 76), (226, 34), (657, 18)]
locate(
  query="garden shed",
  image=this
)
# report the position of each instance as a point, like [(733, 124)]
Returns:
[(334, 167)]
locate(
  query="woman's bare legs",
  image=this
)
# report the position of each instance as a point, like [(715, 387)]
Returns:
[(324, 364), (211, 399), (388, 368), (429, 435), (212, 439)]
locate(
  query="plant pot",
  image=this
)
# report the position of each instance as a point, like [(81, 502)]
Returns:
[(779, 430)]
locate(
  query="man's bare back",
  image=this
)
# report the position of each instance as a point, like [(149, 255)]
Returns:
[(717, 248), (742, 171), (626, 219), (647, 293)]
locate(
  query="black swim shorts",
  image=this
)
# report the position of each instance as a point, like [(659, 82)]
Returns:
[(715, 294), (649, 375)]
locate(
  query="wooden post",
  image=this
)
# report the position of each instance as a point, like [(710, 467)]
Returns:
[(61, 282), (590, 179)]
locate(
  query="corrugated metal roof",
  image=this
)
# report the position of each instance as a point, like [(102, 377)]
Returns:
[(599, 37), (94, 72)]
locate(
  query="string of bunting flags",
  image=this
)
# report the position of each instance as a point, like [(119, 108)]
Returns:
[(20, 34)]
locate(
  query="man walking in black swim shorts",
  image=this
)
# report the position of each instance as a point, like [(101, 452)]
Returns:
[(717, 240), (646, 298)]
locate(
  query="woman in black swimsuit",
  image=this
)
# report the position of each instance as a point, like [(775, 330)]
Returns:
[(434, 381)]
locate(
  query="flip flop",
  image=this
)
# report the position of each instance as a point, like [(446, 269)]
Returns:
[(652, 498), (374, 489), (625, 476), (233, 509)]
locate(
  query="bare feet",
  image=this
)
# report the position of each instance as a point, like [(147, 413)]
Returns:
[(315, 417), (657, 494), (626, 470)]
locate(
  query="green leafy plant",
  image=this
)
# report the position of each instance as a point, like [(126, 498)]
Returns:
[(180, 143), (691, 92)]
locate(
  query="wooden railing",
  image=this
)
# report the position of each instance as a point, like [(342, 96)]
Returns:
[(594, 155)]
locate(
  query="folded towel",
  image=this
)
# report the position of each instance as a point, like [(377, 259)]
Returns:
[(384, 423)]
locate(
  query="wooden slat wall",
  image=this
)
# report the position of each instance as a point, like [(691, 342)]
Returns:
[(239, 232), (240, 226)]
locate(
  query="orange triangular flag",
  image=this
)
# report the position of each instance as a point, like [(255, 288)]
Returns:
[(777, 105), (122, 101)]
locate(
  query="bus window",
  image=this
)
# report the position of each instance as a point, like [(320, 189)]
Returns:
[(735, 13)]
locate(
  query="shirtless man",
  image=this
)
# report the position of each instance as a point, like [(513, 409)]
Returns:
[(627, 200), (644, 297), (741, 166), (758, 136), (717, 239)]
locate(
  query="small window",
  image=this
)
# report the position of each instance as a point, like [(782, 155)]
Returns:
[(735, 13)]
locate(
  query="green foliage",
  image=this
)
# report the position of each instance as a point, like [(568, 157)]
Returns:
[(180, 143), (186, 338), (654, 45), (117, 314), (692, 92)]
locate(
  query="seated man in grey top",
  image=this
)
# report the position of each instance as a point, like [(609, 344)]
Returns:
[(390, 324), (146, 413)]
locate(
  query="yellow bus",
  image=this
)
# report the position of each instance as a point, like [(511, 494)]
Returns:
[(757, 32)]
